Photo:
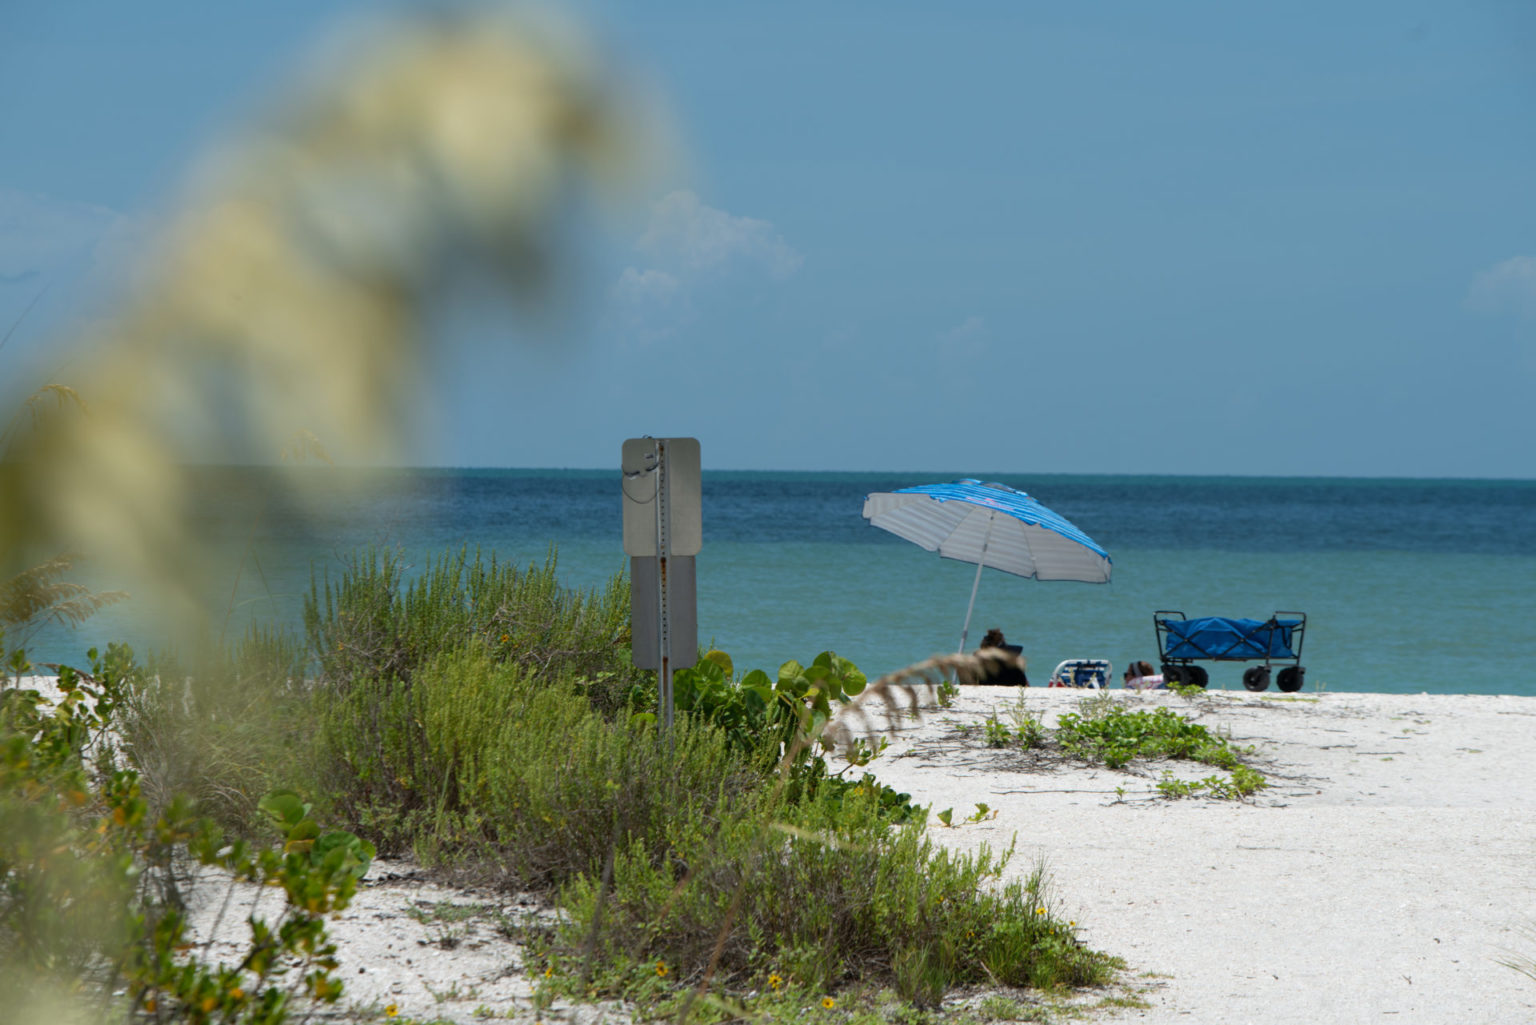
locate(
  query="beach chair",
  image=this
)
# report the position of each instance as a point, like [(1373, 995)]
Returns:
[(1082, 672)]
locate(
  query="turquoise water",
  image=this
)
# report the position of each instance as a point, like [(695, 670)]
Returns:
[(1407, 585), (1377, 621)]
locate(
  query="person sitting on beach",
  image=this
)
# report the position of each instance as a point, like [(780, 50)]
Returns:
[(999, 674), (1139, 676)]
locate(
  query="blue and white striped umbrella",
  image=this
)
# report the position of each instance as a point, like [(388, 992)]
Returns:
[(989, 525)]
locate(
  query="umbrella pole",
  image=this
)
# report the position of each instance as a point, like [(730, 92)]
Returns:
[(966, 629)]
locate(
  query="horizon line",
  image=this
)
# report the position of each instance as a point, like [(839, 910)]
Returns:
[(948, 474)]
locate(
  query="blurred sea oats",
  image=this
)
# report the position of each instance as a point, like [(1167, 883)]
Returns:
[(287, 293)]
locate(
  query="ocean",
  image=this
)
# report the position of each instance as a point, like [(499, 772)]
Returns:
[(1407, 585)]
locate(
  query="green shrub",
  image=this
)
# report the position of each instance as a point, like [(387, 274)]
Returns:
[(758, 708), (818, 893), (562, 798), (221, 729), (373, 623), (1111, 734), (1117, 735), (485, 760), (1243, 782), (998, 734), (92, 919), (1027, 726), (683, 852), (767, 719)]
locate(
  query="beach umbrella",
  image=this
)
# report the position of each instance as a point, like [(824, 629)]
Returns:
[(990, 525)]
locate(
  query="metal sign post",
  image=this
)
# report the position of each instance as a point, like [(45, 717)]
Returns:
[(663, 531)]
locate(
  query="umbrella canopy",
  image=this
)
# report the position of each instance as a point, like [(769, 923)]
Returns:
[(989, 525)]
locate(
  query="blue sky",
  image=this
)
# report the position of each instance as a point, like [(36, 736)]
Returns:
[(1204, 238)]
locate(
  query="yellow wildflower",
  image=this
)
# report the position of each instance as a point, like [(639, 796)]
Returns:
[(661, 970), (828, 1003), (391, 1010)]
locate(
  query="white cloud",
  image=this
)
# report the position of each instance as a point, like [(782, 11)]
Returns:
[(651, 304), (1507, 287), (690, 250), (648, 286), (686, 234)]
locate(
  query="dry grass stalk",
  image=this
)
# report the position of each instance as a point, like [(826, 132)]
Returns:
[(289, 291), (905, 690), (38, 595)]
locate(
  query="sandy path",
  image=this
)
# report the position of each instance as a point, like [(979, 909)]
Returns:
[(1388, 867)]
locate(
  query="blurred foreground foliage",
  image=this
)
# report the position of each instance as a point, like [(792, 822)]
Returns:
[(282, 305), (94, 881)]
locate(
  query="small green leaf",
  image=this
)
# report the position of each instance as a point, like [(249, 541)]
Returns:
[(722, 660), (285, 807), (345, 851), (303, 831)]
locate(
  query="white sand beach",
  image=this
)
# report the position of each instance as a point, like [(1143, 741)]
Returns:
[(1380, 878), (1389, 866)]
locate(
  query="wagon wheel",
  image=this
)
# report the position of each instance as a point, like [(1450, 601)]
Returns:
[(1175, 676), (1256, 678), (1291, 678), (1197, 675)]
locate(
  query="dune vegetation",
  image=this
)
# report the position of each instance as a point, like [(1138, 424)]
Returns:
[(488, 723)]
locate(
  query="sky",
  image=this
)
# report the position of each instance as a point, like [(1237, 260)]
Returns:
[(1006, 238)]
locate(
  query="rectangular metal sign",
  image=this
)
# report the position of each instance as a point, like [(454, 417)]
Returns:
[(651, 465), (682, 611), (663, 531)]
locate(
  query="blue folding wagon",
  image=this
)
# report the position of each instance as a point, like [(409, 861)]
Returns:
[(1182, 642)]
